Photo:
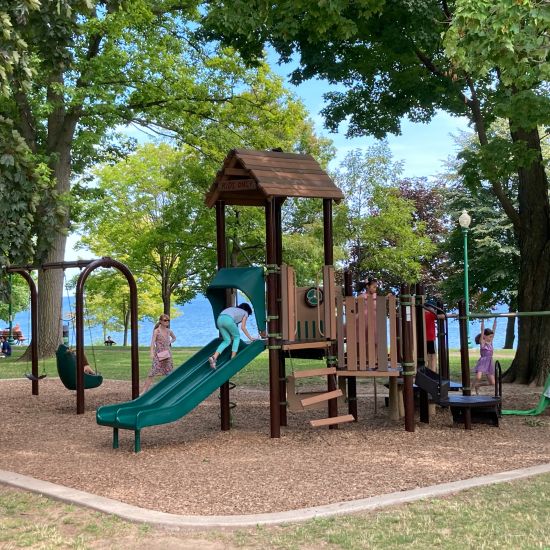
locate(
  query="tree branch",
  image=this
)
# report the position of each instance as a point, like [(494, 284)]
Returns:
[(27, 124), (477, 116), (481, 131)]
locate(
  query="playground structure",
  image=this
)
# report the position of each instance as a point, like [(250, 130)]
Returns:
[(87, 266), (265, 179), (360, 337)]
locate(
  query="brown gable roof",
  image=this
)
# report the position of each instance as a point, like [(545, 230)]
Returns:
[(250, 177)]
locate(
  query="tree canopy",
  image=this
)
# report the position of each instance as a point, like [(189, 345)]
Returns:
[(475, 58)]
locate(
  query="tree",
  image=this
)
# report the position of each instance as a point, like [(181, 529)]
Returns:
[(107, 302), (494, 261), (150, 217), (149, 211), (383, 236), (492, 251), (474, 58), (429, 208), (73, 71), (17, 293)]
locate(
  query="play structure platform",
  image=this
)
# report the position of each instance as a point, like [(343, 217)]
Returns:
[(178, 393)]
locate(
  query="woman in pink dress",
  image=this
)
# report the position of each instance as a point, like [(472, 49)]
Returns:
[(485, 363), (161, 353)]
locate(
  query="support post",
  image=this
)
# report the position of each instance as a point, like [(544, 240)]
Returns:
[(420, 359), (279, 252), (11, 341), (225, 412), (34, 325), (79, 294), (274, 342), (443, 344), (329, 260), (351, 380), (407, 363), (464, 359)]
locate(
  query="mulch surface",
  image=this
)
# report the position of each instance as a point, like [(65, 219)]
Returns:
[(191, 467)]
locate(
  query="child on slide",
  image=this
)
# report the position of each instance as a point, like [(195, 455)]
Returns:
[(228, 325)]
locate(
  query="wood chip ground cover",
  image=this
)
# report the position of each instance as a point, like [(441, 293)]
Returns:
[(190, 467)]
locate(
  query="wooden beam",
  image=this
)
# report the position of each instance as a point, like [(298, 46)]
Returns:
[(321, 397), (314, 344), (314, 372), (235, 172), (331, 421), (369, 373)]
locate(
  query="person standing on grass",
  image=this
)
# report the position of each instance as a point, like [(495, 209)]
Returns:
[(228, 325), (161, 353), (485, 363)]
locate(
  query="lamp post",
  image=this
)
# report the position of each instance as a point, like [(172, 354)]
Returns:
[(464, 221)]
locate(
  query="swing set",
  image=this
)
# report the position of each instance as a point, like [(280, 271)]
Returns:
[(70, 365)]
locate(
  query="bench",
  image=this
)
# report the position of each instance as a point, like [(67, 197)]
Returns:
[(17, 336)]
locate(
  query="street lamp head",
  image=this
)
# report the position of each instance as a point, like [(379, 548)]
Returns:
[(464, 220)]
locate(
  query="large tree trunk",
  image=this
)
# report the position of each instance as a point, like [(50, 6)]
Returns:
[(50, 282), (510, 332), (532, 361), (126, 327)]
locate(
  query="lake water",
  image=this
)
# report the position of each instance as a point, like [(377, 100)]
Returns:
[(195, 326)]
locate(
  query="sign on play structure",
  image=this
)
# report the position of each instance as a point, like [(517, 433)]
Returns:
[(237, 185)]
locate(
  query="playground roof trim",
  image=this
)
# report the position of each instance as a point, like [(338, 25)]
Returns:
[(250, 178)]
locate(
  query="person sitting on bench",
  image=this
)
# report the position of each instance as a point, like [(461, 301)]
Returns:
[(109, 341), (18, 334)]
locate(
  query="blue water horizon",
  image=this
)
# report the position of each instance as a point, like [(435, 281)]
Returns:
[(194, 326)]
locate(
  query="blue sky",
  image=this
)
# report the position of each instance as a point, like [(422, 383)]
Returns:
[(422, 148)]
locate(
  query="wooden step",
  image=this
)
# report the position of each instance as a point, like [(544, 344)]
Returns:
[(314, 372), (332, 421), (321, 397)]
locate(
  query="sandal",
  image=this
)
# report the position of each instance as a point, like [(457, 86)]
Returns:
[(212, 362)]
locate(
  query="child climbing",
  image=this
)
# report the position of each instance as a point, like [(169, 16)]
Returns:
[(228, 325), (485, 363)]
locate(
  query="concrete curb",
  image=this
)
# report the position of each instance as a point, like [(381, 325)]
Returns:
[(175, 521)]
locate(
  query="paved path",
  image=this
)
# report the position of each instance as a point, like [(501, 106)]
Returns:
[(175, 521)]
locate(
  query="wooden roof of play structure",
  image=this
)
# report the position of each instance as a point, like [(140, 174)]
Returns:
[(250, 178)]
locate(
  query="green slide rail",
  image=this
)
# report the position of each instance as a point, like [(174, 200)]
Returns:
[(178, 393), (544, 403)]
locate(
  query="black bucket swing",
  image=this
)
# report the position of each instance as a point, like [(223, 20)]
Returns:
[(66, 358)]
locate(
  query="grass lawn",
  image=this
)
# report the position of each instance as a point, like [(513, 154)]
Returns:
[(508, 515), (114, 363)]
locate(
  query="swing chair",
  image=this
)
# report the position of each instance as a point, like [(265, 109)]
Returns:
[(66, 358)]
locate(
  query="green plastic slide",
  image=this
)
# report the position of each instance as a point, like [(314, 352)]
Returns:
[(190, 384), (540, 408), (178, 393)]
